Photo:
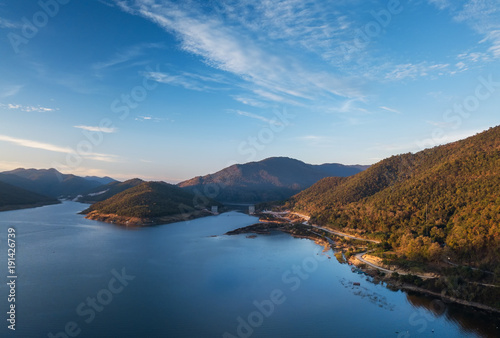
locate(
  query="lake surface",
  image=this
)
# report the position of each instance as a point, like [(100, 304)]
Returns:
[(100, 280)]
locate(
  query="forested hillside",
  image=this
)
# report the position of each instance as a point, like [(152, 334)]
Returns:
[(12, 197), (106, 191), (150, 200), (440, 202)]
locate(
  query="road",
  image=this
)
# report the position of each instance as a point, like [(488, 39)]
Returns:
[(338, 233), (361, 259), (306, 222)]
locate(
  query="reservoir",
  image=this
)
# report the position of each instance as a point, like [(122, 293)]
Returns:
[(82, 278)]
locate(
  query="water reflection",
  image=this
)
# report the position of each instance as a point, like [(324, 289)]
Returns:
[(471, 321)]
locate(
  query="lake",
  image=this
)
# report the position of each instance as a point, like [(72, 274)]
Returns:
[(82, 278)]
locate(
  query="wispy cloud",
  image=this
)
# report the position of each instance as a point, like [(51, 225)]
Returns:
[(228, 44), (493, 37), (126, 55), (441, 4), (143, 118), (36, 144), (483, 16), (390, 109), (409, 70), (97, 129), (187, 80), (6, 23), (58, 149), (38, 109), (10, 90), (258, 117), (249, 101)]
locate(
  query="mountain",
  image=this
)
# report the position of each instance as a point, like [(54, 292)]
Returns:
[(275, 178), (12, 197), (49, 182), (106, 191), (440, 202), (149, 203), (102, 180)]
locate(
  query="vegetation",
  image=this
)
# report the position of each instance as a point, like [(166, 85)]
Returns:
[(441, 204), (48, 182), (150, 200), (12, 197), (109, 190)]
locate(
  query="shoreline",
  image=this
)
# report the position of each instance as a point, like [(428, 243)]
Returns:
[(27, 206), (371, 271), (266, 227), (144, 222)]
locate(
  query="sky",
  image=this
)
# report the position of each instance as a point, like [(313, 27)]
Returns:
[(169, 90)]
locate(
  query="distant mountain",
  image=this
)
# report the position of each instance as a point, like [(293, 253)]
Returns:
[(275, 178), (106, 191), (12, 197), (149, 203), (443, 201), (49, 182), (102, 180)]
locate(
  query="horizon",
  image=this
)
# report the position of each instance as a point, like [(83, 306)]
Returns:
[(176, 182), (183, 90)]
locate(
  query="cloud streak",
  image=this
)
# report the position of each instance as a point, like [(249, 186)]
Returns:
[(38, 109), (126, 55), (58, 149), (97, 129), (229, 45), (258, 117)]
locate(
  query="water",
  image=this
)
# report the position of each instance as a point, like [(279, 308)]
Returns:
[(179, 281)]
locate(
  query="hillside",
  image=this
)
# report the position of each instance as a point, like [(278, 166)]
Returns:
[(149, 203), (12, 197), (437, 203), (106, 191), (275, 178), (48, 182)]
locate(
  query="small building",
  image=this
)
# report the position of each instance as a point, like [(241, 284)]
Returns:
[(251, 209), (215, 210)]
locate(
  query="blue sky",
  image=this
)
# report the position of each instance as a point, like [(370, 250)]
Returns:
[(169, 90)]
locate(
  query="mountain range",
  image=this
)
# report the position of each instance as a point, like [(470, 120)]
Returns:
[(275, 178), (50, 182)]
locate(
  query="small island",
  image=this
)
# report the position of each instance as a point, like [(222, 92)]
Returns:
[(150, 203)]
